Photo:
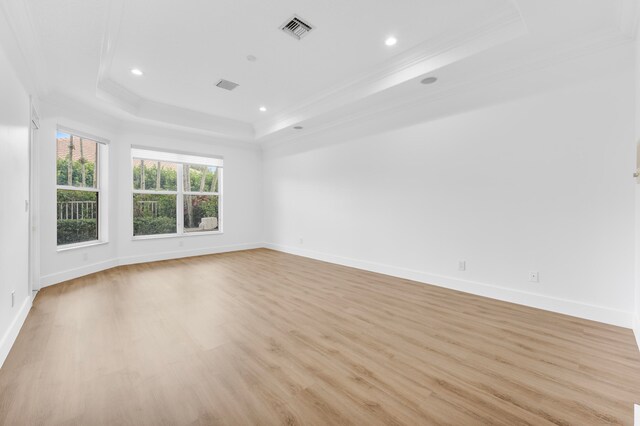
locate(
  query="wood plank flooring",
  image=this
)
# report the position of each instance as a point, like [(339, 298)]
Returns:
[(261, 337)]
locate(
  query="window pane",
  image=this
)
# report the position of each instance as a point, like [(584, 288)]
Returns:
[(76, 161), (154, 214), (200, 213), (158, 175), (201, 178), (77, 216)]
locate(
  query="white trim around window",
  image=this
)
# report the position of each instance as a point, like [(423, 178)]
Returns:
[(90, 151), (157, 214)]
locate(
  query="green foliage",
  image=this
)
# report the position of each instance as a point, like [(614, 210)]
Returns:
[(77, 231), (70, 195), (168, 177), (195, 178), (154, 225), (62, 177), (159, 221), (166, 205), (156, 213)]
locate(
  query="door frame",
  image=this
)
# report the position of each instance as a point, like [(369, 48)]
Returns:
[(32, 205)]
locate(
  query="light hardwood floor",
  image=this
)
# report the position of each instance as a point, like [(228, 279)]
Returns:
[(261, 337)]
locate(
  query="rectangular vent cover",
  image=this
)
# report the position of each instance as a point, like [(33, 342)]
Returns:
[(226, 84), (296, 27)]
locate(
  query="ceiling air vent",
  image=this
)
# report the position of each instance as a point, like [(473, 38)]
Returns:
[(226, 84), (296, 27)]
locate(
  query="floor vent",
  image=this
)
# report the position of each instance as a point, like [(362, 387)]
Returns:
[(296, 27), (226, 84)]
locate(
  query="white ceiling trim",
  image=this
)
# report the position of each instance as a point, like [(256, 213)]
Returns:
[(629, 17), (110, 38), (423, 59), (18, 20), (593, 44), (114, 121), (447, 49), (506, 25), (114, 93)]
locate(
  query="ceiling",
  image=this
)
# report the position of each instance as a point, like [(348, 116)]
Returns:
[(85, 50)]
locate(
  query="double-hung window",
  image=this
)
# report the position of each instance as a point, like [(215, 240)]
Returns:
[(175, 194), (79, 175)]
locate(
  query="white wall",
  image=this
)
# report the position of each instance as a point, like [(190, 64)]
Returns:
[(14, 220), (242, 196), (537, 184), (636, 323), (58, 266)]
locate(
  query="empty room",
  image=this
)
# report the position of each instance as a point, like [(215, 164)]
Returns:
[(243, 212)]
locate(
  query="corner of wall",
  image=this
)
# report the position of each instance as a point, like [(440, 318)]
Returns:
[(10, 336), (58, 277)]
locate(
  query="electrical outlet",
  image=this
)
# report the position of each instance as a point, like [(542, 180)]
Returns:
[(462, 265), (534, 277), (301, 240), (85, 256), (13, 298), (180, 243)]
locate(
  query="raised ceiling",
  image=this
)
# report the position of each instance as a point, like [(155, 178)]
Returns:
[(185, 47), (342, 67)]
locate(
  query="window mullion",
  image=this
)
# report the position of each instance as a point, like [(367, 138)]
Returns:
[(207, 204), (153, 192), (77, 188), (201, 193), (180, 199), (220, 198)]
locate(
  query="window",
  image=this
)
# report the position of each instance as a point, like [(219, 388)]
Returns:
[(78, 188), (175, 194)]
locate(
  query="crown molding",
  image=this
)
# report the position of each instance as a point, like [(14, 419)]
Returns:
[(26, 52), (148, 110), (505, 25), (57, 105), (377, 112), (340, 105), (165, 115), (427, 57), (110, 39), (629, 11)]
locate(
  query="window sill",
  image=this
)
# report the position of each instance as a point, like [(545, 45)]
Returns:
[(161, 236), (69, 247)]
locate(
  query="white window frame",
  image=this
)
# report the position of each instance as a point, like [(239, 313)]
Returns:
[(180, 159), (102, 165)]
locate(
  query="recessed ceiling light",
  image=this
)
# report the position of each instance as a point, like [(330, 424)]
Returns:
[(391, 41), (298, 127), (136, 71), (263, 108), (429, 80)]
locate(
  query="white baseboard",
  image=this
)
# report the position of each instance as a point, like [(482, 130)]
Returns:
[(69, 274), (186, 253), (59, 277), (10, 336), (540, 301)]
